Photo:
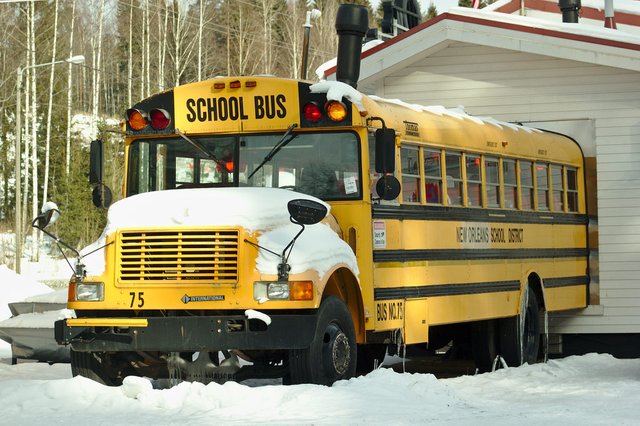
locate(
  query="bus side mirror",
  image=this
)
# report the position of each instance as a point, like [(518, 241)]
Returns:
[(48, 216), (306, 212), (385, 150), (95, 162), (102, 196)]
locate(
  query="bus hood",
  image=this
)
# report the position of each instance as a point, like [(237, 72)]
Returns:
[(254, 209)]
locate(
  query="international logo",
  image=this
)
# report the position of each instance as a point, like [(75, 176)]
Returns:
[(186, 298)]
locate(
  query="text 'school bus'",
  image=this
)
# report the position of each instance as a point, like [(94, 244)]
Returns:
[(307, 228)]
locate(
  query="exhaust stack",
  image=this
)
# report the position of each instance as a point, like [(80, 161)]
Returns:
[(570, 10), (352, 22), (609, 20)]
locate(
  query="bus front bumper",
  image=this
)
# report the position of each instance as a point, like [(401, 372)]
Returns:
[(193, 333)]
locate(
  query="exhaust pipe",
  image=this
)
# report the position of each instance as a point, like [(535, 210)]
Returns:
[(609, 20), (352, 22), (570, 10)]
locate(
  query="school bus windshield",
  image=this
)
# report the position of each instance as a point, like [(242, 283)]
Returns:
[(325, 165)]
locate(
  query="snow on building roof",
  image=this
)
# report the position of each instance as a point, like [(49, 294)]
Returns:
[(589, 7), (579, 42)]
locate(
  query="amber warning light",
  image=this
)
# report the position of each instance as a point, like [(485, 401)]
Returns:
[(335, 111)]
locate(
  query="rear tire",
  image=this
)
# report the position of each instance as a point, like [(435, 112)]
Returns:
[(484, 344), (332, 353), (519, 345), (92, 365)]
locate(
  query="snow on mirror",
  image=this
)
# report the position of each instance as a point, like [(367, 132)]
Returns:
[(48, 216)]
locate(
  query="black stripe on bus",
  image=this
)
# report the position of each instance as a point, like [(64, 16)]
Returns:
[(566, 281), (475, 254), (444, 290), (468, 288), (407, 212)]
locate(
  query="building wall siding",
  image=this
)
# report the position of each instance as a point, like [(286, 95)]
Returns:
[(522, 87)]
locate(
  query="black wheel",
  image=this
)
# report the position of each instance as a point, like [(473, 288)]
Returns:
[(332, 353), (94, 366), (370, 357), (484, 344), (519, 345)]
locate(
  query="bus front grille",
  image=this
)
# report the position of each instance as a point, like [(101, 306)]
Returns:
[(202, 256)]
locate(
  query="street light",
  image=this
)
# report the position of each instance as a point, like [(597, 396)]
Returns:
[(78, 59)]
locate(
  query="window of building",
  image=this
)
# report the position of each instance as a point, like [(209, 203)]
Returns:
[(510, 183), (410, 159), (492, 177), (557, 191), (474, 181), (453, 161), (433, 176), (572, 189), (526, 184)]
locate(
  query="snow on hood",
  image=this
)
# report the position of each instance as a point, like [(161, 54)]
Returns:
[(254, 209)]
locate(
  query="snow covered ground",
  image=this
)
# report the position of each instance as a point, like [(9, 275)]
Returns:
[(588, 390)]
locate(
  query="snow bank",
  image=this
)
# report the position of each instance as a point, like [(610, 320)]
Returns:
[(587, 390), (16, 288)]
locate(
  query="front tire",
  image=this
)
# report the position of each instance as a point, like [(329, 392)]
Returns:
[(94, 366), (332, 353)]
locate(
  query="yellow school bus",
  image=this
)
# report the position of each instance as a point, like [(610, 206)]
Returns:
[(278, 228)]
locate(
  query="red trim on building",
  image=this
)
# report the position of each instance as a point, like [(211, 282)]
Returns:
[(497, 24), (585, 12)]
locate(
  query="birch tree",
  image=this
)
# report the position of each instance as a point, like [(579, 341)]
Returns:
[(183, 42), (163, 21), (96, 73), (69, 93), (51, 77), (130, 62)]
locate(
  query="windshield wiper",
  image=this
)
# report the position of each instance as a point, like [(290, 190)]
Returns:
[(199, 147), (286, 138)]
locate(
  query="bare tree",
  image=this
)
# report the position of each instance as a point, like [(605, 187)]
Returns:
[(69, 92), (96, 42), (200, 26), (183, 40), (34, 133), (163, 21), (50, 106), (130, 62)]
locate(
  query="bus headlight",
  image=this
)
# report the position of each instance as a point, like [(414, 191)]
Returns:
[(283, 290), (90, 292)]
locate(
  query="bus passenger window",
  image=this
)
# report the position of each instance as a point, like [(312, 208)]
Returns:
[(208, 171), (526, 184), (572, 189), (542, 185), (510, 183), (453, 164), (410, 159), (184, 170), (557, 191), (492, 175), (433, 176), (474, 181)]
